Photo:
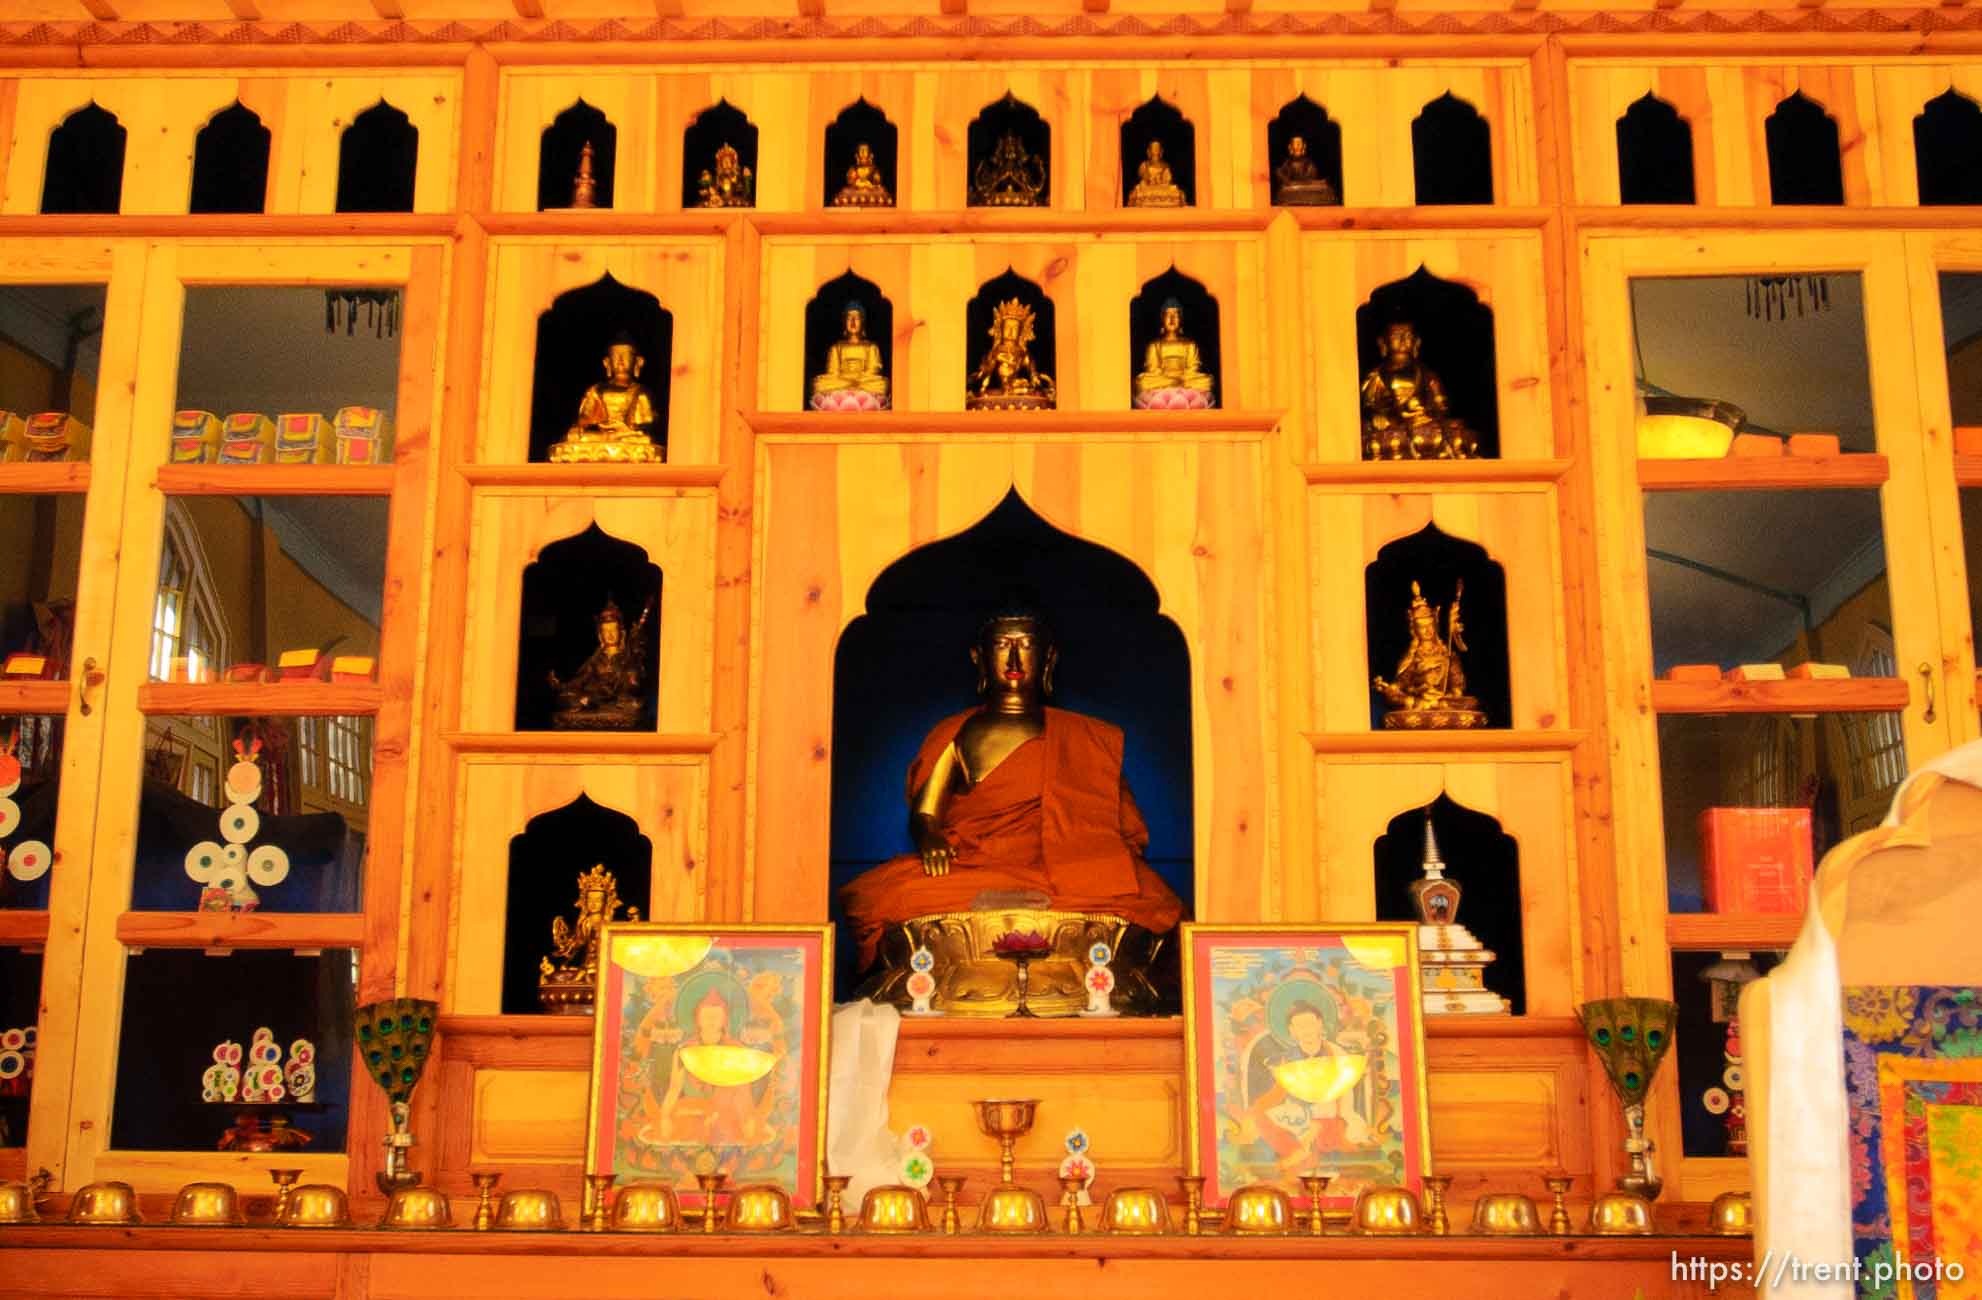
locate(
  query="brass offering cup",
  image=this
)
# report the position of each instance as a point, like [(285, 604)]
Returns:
[(1388, 1212), (207, 1205), (316, 1205), (485, 1199), (105, 1203), (418, 1207), (530, 1209), (836, 1185), (17, 1204), (712, 1187), (1316, 1187), (1008, 1209), (1506, 1214), (759, 1207), (645, 1206), (1007, 1120), (1259, 1210), (1732, 1215), (1621, 1214), (893, 1209), (1135, 1212), (951, 1185)]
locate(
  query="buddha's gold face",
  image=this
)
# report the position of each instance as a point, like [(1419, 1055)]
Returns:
[(853, 322), (1014, 658), (1297, 147), (1399, 344), (610, 634), (1156, 151), (1173, 321), (595, 900), (623, 362), (863, 155), (1008, 329), (1424, 627)]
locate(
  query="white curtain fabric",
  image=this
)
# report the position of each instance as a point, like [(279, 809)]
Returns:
[(859, 1143)]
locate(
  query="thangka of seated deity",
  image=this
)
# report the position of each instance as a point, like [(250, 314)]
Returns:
[(852, 379), (617, 417), (1405, 412), (1173, 376), (865, 186)]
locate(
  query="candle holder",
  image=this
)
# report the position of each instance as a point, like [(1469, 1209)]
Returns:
[(1020, 949), (284, 1180), (1436, 1185), (1070, 1186), (952, 1217), (1193, 1186), (1007, 1121), (1316, 1186), (836, 1185), (598, 1191), (485, 1185), (1558, 1215), (711, 1185)]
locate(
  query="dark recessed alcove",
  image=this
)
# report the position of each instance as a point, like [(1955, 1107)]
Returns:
[(859, 123), (562, 147), (85, 163), (545, 860), (1805, 166), (230, 163), (1483, 860), (20, 1008), (1439, 562), (1160, 121), (1947, 149), (1009, 116), (377, 159), (1455, 333), (824, 322), (1200, 321), (1302, 117), (1654, 154), (572, 338), (722, 123), (1699, 1048), (564, 589), (977, 321), (1452, 153), (904, 665)]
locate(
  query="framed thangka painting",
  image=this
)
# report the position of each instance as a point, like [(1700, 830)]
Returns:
[(1306, 1055), (709, 1056)]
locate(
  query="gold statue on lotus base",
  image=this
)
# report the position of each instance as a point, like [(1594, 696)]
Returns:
[(972, 981), (729, 184), (1172, 376), (1429, 691), (1010, 178), (1155, 187), (852, 379), (616, 416), (865, 186), (570, 985), (1006, 379)]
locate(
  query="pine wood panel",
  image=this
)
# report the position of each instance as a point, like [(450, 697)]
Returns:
[(530, 101)]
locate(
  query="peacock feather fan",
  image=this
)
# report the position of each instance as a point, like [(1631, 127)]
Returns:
[(393, 1039), (1630, 1036)]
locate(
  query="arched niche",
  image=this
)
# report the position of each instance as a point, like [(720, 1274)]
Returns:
[(1483, 860), (230, 162), (1455, 331), (1200, 322), (1301, 116), (562, 148), (904, 665), (1654, 154), (1805, 166), (377, 158), (572, 337), (824, 321), (1947, 149), (564, 589), (977, 320), (1160, 121), (85, 163), (860, 123), (1452, 153), (545, 860), (1439, 563), (1009, 116), (722, 123)]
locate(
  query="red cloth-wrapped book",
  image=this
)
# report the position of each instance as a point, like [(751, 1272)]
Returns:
[(1755, 859)]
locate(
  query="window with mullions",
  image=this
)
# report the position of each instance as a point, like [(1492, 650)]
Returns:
[(188, 640)]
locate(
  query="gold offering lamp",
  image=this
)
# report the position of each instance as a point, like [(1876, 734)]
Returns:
[(1009, 1207)]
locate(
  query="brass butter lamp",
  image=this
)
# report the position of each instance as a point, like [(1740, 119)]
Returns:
[(1009, 1208), (207, 1205)]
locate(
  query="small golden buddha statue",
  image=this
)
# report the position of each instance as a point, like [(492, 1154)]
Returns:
[(1429, 692), (1405, 412), (865, 187), (1154, 187), (729, 185), (616, 417), (584, 189), (1009, 178), (569, 986), (852, 380), (1006, 379), (1173, 377), (605, 693), (1300, 182)]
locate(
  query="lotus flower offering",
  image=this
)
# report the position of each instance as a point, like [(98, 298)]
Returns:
[(1021, 947)]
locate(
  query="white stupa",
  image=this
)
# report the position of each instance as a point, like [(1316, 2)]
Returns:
[(1451, 961)]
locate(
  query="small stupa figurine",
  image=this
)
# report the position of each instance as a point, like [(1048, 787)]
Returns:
[(852, 379), (569, 986), (1155, 188), (616, 416), (1010, 178), (1299, 182), (1429, 693), (1006, 379), (584, 189), (1405, 412), (1172, 377), (1453, 962), (605, 693), (865, 186), (729, 184)]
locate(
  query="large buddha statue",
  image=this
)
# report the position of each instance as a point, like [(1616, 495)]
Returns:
[(1172, 376), (1015, 809), (616, 416), (1405, 412), (852, 379), (1155, 188)]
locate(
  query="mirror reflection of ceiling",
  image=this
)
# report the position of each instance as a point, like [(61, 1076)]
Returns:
[(339, 541), (262, 348), (44, 318)]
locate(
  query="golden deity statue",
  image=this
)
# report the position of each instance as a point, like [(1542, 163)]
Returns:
[(616, 417), (1173, 377), (1010, 177), (1006, 379), (605, 693), (865, 186), (1405, 412), (1301, 182), (568, 986), (1154, 187), (1429, 692), (584, 189), (852, 379), (730, 185)]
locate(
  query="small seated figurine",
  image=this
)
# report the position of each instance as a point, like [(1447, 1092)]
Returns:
[(865, 187), (730, 185), (1009, 178), (1006, 379), (852, 380), (1301, 183), (570, 985), (1405, 412), (605, 693), (1154, 188), (1429, 692), (1172, 377), (616, 416)]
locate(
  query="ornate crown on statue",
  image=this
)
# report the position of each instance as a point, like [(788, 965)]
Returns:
[(1010, 309), (598, 878)]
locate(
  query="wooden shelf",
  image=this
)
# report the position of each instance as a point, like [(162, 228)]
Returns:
[(1757, 473), (1648, 217), (583, 477), (275, 480), (1014, 424), (1822, 695), (1407, 474), (1713, 931), (23, 928), (270, 700), (1437, 216), (34, 697), (1968, 471), (581, 742), (1486, 740), (212, 930), (248, 225), (45, 476)]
